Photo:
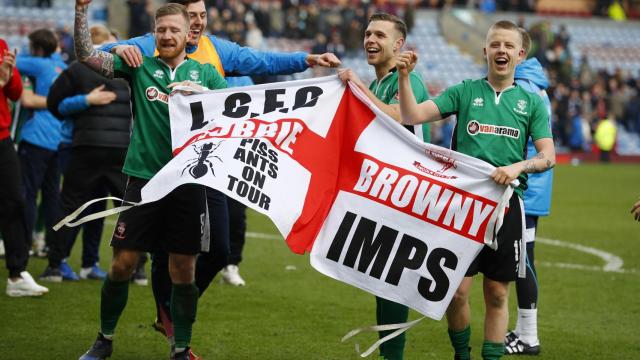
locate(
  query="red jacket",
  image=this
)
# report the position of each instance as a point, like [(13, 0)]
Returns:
[(12, 90)]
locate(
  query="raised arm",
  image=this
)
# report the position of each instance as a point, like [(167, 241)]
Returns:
[(412, 113), (99, 61)]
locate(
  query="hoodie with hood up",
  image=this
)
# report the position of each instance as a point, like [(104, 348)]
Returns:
[(537, 197)]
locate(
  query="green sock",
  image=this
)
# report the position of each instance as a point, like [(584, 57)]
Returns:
[(460, 342), (492, 351), (184, 304), (113, 300), (389, 312)]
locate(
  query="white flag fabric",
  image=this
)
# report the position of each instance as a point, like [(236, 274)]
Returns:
[(377, 208)]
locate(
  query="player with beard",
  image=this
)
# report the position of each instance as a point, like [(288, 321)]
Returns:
[(383, 39), (172, 223), (496, 117), (229, 59)]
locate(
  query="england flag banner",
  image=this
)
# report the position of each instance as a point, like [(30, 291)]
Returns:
[(376, 207)]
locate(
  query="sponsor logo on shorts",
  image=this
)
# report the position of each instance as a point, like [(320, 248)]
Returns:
[(154, 94), (119, 232), (474, 127)]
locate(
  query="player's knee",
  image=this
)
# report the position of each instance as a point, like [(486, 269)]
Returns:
[(460, 298), (496, 296), (122, 265), (182, 268)]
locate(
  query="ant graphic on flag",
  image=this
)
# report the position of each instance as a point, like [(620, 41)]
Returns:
[(496, 132)]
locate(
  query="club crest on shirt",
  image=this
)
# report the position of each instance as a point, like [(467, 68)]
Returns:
[(474, 128), (521, 105)]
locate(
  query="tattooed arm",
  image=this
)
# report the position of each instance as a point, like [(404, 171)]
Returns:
[(99, 61), (544, 160)]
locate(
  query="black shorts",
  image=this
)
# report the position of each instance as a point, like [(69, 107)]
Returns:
[(174, 223), (502, 264)]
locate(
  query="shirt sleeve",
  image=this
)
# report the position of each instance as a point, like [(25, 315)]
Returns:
[(418, 88), (13, 89), (240, 60), (449, 101), (146, 44), (63, 87), (29, 65), (120, 68), (539, 121), (215, 80), (73, 104)]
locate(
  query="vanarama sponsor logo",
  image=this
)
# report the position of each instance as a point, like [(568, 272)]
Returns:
[(474, 127), (154, 94)]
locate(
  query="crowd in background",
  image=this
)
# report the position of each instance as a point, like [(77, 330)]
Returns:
[(580, 99)]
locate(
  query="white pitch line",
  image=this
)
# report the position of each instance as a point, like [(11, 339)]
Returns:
[(612, 263), (257, 235)]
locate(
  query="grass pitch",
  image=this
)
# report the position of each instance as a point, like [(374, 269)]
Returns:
[(290, 311)]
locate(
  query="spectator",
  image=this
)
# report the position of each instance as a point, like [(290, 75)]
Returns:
[(585, 74), (336, 46), (563, 36), (605, 137), (102, 118), (320, 44), (12, 220), (41, 134), (140, 15), (254, 36), (617, 100)]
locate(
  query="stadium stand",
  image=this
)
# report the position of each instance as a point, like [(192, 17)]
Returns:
[(611, 48)]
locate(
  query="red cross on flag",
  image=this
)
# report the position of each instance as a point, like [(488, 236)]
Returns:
[(377, 208)]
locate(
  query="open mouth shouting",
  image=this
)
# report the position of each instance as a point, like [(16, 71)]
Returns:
[(194, 34), (372, 51), (501, 62)]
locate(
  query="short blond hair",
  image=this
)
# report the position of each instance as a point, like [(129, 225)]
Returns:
[(173, 9), (99, 34), (506, 25), (526, 40)]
